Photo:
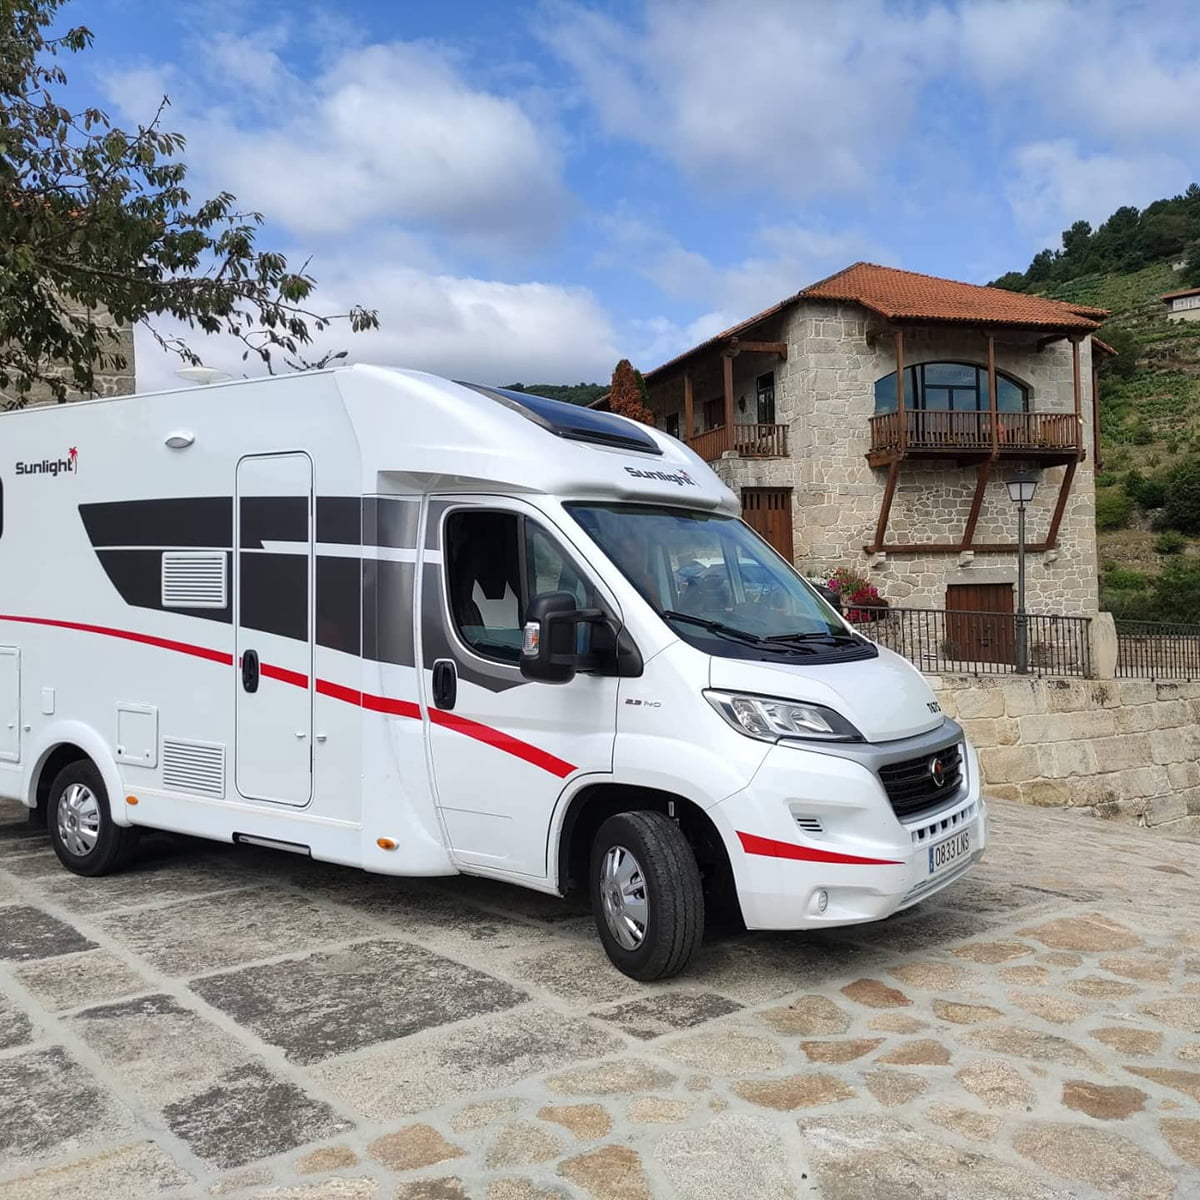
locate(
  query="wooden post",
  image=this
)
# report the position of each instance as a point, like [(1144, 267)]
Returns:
[(900, 394), (727, 361), (981, 481), (688, 426), (992, 397), (1051, 542), (1078, 395), (1096, 460), (885, 510)]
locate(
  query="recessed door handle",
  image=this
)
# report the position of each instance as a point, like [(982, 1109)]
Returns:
[(320, 737), (301, 734)]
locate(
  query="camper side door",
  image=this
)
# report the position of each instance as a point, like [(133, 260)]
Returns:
[(502, 747)]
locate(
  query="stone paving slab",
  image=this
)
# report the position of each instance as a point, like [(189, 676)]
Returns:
[(227, 1021)]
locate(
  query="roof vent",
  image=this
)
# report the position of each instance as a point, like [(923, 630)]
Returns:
[(572, 421)]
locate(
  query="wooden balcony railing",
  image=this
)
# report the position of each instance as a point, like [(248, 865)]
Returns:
[(748, 441), (972, 431)]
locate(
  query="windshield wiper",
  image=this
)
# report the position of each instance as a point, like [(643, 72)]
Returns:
[(827, 636), (730, 631)]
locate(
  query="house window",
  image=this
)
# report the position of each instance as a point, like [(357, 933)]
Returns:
[(1185, 302), (950, 387), (765, 389), (673, 424), (714, 413)]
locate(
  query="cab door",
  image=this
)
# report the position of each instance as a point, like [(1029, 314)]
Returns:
[(503, 748)]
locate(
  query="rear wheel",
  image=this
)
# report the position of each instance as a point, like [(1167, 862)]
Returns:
[(646, 895), (82, 831)]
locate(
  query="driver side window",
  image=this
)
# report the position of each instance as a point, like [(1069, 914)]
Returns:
[(496, 562)]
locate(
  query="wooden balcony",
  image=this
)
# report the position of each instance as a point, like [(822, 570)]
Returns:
[(747, 441), (968, 436)]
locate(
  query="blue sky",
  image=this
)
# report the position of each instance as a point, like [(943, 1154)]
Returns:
[(529, 190)]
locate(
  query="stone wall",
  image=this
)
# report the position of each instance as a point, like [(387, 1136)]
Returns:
[(108, 383), (1126, 749)]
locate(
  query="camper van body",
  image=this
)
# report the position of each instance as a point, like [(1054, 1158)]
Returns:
[(235, 603)]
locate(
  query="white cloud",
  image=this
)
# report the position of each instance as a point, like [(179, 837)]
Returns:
[(1053, 184), (783, 259), (800, 97), (391, 133), (463, 328)]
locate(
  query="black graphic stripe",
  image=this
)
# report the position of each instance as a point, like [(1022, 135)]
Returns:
[(391, 522), (180, 522), (137, 576), (387, 597)]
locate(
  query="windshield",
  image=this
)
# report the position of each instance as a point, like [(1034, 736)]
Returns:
[(714, 579)]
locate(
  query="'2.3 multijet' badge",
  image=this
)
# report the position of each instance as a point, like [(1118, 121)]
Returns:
[(54, 467)]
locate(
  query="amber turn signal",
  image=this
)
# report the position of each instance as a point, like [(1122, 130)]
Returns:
[(130, 799), (386, 843)]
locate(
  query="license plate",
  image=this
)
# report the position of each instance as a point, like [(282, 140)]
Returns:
[(942, 854)]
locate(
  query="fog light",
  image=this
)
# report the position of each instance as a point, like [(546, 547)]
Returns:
[(822, 900)]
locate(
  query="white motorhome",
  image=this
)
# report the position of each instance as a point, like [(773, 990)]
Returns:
[(423, 628)]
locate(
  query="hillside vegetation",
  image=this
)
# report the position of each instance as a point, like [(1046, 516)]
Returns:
[(1148, 488)]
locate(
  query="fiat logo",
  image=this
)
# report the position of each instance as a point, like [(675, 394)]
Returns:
[(937, 771)]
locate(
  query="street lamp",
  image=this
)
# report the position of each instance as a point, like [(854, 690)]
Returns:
[(1021, 490)]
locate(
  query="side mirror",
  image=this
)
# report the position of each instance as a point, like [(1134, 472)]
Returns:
[(548, 639)]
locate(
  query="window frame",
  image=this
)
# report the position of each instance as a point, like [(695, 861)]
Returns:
[(523, 519), (915, 375), (764, 393)]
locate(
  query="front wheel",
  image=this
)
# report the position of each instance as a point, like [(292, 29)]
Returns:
[(646, 895), (84, 836)]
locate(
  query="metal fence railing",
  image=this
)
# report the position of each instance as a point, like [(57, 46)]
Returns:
[(1153, 650), (973, 643)]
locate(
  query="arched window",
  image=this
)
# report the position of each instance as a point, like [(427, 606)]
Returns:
[(950, 387)]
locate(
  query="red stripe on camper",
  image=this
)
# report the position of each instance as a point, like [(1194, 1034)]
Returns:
[(394, 708), (283, 675), (335, 691), (770, 848), (502, 741), (144, 639)]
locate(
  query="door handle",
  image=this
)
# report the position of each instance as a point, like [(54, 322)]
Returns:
[(250, 670), (445, 684)]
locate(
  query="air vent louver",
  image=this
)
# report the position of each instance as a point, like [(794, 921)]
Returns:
[(197, 767), (194, 579)]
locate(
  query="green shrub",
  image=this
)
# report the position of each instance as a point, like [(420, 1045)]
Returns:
[(1124, 580), (1182, 507), (1113, 509), (1145, 493), (1107, 479), (1141, 434), (1176, 595), (1170, 542)]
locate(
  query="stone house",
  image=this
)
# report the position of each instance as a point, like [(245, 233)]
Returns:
[(1183, 305), (108, 383), (872, 419)]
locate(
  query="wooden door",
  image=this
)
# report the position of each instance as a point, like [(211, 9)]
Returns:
[(979, 623), (768, 511)]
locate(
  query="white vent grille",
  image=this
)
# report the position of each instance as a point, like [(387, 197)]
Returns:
[(197, 767), (810, 824), (194, 579)]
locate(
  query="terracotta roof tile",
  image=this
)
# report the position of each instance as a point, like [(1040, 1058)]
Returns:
[(908, 296), (1183, 292)]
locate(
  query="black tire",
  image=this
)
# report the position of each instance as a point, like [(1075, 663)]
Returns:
[(78, 818), (670, 888)]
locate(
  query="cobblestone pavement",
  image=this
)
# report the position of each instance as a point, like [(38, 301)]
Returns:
[(222, 1021)]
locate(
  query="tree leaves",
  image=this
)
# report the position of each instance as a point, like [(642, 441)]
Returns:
[(95, 220)]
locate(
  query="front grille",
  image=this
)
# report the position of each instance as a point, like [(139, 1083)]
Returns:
[(913, 787)]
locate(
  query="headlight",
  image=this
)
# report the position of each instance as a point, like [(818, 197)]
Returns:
[(773, 720)]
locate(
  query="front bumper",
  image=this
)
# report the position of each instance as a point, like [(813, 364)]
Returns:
[(813, 824)]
